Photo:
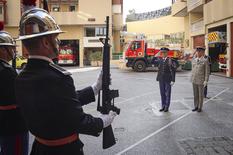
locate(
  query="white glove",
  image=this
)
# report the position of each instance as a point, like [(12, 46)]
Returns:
[(172, 83), (97, 86), (108, 118), (205, 83)]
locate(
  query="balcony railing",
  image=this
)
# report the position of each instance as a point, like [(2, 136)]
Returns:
[(76, 18), (179, 8), (217, 10), (197, 27), (194, 4)]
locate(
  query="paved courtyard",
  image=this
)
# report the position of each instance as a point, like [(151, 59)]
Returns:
[(141, 130)]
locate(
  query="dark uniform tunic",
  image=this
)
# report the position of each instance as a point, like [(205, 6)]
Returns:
[(12, 123), (53, 108), (166, 74)]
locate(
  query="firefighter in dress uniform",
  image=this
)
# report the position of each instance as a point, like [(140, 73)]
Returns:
[(166, 77), (51, 106), (13, 131)]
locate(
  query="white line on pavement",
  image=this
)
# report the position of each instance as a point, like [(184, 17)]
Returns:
[(82, 69), (126, 100), (166, 126)]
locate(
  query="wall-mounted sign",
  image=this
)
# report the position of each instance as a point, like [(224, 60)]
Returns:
[(91, 19)]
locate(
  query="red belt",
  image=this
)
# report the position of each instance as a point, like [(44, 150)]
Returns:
[(8, 107), (58, 142)]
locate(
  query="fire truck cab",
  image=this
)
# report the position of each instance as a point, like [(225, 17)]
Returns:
[(138, 56)]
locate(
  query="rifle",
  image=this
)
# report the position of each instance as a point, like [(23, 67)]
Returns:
[(14, 62), (107, 94)]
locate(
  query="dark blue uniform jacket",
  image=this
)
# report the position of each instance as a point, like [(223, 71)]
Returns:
[(53, 108), (167, 70), (11, 121)]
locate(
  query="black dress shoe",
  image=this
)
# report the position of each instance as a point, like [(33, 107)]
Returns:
[(161, 109), (166, 110), (195, 109), (199, 110)]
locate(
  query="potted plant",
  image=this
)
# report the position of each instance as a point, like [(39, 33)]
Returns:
[(96, 58)]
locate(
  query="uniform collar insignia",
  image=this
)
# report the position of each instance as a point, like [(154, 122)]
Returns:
[(59, 69)]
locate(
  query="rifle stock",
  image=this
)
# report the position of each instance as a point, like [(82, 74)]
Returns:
[(108, 137), (107, 94)]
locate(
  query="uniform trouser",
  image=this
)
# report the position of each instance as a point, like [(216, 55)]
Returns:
[(205, 91), (198, 92), (165, 92), (14, 145)]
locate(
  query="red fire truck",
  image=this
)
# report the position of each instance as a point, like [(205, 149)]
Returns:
[(139, 56), (68, 53)]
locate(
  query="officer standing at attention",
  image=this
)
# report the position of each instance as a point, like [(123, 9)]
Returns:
[(50, 104), (200, 77), (166, 77), (13, 131)]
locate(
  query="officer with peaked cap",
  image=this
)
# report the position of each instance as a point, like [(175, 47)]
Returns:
[(46, 92), (200, 77), (13, 131), (166, 77)]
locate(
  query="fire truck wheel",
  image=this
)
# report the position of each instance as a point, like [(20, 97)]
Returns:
[(140, 66)]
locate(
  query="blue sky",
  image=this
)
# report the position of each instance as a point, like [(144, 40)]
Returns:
[(144, 5)]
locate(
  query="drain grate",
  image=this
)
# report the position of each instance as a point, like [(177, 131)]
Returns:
[(120, 129), (208, 146)]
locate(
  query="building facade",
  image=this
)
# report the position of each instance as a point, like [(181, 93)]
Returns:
[(82, 20), (206, 21), (155, 27)]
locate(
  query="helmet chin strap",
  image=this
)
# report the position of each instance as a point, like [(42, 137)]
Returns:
[(55, 49), (10, 52)]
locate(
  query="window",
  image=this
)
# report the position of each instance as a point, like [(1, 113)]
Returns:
[(55, 8), (90, 32), (100, 31), (72, 8), (95, 31), (1, 10), (136, 45)]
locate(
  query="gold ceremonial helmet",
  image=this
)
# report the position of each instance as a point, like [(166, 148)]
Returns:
[(37, 22)]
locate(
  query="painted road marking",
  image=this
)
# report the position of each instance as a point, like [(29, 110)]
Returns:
[(166, 126), (79, 70), (126, 100)]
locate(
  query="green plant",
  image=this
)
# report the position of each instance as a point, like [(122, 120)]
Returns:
[(96, 56)]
